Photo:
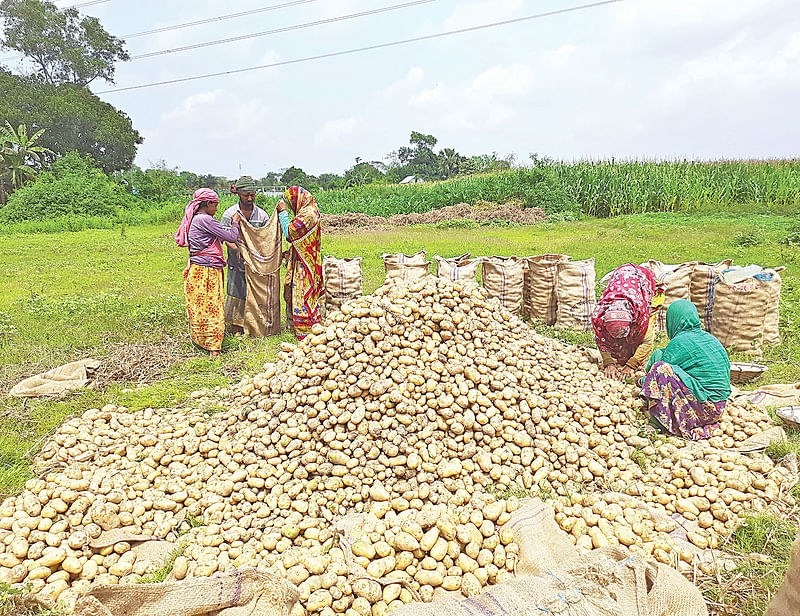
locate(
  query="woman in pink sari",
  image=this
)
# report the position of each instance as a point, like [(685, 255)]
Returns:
[(204, 278)]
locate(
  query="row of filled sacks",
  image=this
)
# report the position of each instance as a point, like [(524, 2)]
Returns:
[(551, 288), (739, 305)]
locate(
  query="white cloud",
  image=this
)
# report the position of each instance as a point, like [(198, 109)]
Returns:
[(191, 103), (334, 132)]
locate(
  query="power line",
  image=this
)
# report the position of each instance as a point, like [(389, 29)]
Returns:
[(363, 49), (209, 20), (310, 24)]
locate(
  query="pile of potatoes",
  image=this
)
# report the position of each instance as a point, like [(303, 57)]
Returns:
[(367, 463)]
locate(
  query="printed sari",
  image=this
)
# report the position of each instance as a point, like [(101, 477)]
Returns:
[(303, 287)]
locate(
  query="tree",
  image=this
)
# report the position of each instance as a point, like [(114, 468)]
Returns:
[(188, 179), (420, 159), (362, 173), (75, 119), (272, 178), (18, 154), (330, 181), (64, 47), (294, 176), (450, 162)]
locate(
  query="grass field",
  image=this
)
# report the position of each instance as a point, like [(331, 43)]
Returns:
[(71, 295)]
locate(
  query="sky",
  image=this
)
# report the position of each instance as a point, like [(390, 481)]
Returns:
[(699, 79)]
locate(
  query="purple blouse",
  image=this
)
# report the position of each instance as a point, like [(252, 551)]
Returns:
[(202, 232)]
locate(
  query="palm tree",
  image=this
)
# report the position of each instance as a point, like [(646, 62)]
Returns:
[(450, 161), (17, 151)]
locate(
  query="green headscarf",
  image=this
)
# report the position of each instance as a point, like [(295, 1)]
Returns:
[(698, 358)]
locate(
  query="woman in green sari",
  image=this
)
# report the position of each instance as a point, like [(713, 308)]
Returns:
[(689, 382)]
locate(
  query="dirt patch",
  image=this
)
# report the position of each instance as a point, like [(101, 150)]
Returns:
[(483, 211)]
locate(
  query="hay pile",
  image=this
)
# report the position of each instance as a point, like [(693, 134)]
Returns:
[(413, 407)]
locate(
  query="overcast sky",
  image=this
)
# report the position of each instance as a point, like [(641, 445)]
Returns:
[(639, 78)]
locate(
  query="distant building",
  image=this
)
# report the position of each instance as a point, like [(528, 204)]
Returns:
[(412, 179)]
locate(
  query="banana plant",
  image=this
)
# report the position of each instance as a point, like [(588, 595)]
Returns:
[(17, 151)]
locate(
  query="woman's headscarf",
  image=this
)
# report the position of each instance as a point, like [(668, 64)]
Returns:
[(200, 195), (296, 197), (622, 315)]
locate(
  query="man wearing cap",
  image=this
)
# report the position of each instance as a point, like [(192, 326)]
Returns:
[(245, 188)]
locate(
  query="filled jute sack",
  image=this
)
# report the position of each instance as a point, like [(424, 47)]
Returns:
[(772, 334), (503, 278), (342, 281), (245, 592), (786, 601), (260, 250), (575, 294), (677, 285), (701, 287), (737, 314), (539, 299), (462, 269), (405, 267)]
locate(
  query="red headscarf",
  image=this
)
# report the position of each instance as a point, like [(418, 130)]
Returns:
[(624, 304), (200, 195)]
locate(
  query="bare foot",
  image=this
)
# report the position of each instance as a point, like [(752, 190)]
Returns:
[(214, 353)]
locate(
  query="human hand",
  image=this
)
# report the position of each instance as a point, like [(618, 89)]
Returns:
[(612, 371), (281, 206), (626, 372), (236, 218)]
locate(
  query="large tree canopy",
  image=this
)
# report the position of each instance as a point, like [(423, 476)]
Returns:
[(75, 119), (63, 46)]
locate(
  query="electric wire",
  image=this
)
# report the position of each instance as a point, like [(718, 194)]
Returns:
[(302, 26), (357, 50)]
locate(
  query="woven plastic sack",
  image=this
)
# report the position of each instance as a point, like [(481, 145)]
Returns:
[(503, 278), (405, 267), (539, 299), (737, 314), (677, 285), (342, 281), (246, 592), (575, 293), (701, 286)]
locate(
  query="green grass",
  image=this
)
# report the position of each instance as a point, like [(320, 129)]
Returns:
[(763, 544), (161, 574)]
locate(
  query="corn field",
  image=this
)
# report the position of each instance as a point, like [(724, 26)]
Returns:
[(594, 188)]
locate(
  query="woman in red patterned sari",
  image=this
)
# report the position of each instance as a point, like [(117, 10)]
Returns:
[(303, 287)]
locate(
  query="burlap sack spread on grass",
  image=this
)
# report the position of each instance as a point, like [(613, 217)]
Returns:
[(786, 601), (465, 269), (342, 281), (737, 314), (503, 278), (246, 592), (701, 287), (677, 285), (772, 334), (405, 267), (770, 395), (261, 254), (575, 294), (57, 381), (539, 287)]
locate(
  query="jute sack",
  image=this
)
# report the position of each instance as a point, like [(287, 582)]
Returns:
[(342, 281), (701, 287), (549, 593), (261, 254), (405, 267), (466, 269), (575, 294), (677, 285), (503, 278), (245, 592), (772, 334), (539, 287), (542, 543), (770, 395), (786, 601), (737, 314)]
